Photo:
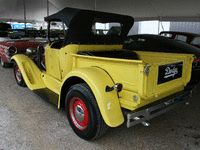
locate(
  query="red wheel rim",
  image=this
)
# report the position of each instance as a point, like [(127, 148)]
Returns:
[(18, 74), (78, 113)]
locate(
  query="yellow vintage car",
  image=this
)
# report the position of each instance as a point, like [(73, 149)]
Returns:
[(99, 83)]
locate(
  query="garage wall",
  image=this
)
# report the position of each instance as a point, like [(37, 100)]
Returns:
[(193, 27)]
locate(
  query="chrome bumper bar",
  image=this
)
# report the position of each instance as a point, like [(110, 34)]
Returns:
[(142, 116)]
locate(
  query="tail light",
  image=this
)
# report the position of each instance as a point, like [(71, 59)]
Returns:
[(118, 87), (196, 61)]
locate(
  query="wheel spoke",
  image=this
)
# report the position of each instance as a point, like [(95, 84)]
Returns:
[(18, 74)]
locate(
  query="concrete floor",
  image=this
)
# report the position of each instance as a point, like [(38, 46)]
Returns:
[(28, 122)]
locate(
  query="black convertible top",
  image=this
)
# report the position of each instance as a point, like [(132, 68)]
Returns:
[(80, 21)]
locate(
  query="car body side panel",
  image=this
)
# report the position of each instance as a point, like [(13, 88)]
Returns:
[(53, 63), (19, 45), (3, 54), (96, 78), (133, 75)]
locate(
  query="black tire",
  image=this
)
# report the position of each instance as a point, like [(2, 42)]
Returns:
[(83, 113), (4, 64), (18, 76)]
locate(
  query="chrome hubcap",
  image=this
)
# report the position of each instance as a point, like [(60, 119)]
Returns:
[(79, 113)]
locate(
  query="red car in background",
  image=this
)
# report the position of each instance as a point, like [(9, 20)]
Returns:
[(12, 47), (189, 38)]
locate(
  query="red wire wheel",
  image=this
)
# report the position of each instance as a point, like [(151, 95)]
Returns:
[(78, 113), (18, 76)]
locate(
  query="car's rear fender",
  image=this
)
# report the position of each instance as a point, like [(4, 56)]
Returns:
[(108, 102), (30, 72)]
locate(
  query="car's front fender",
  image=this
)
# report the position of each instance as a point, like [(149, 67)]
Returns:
[(30, 72)]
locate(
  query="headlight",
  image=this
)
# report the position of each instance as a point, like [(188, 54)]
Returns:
[(12, 50)]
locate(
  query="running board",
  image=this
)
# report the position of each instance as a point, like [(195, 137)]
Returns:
[(48, 95)]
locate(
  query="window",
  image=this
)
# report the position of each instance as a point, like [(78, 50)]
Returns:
[(57, 33), (106, 28), (181, 38), (57, 30), (196, 41)]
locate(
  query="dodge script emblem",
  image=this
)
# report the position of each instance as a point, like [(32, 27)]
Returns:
[(170, 72)]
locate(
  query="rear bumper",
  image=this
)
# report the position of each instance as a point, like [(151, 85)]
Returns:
[(153, 110)]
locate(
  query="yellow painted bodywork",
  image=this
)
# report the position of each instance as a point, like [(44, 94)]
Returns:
[(99, 72), (30, 72), (108, 103), (135, 81)]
